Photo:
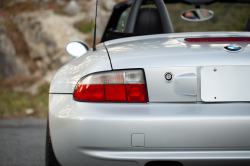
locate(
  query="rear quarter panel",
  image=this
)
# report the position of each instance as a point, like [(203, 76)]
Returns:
[(65, 79)]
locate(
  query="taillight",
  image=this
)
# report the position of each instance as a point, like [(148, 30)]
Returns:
[(114, 86), (218, 39)]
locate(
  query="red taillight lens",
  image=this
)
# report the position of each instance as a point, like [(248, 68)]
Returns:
[(118, 86), (218, 39), (136, 92), (115, 92), (89, 92)]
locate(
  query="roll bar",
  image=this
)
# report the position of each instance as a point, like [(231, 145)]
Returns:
[(163, 12)]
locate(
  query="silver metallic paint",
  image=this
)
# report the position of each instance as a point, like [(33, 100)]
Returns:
[(195, 133), (84, 132), (65, 79), (182, 88), (165, 50), (152, 51)]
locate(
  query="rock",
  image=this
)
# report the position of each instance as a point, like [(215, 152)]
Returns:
[(29, 111), (105, 8), (37, 40), (61, 2), (102, 19), (10, 65), (108, 4), (40, 2), (33, 90), (14, 2), (46, 35), (72, 8), (7, 55)]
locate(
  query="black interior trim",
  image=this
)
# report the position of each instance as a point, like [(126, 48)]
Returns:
[(248, 24), (115, 16), (163, 12), (129, 28), (148, 21), (165, 19)]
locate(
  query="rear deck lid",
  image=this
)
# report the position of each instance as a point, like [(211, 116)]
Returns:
[(187, 61), (167, 50)]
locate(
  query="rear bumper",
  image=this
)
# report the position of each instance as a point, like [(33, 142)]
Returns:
[(192, 133)]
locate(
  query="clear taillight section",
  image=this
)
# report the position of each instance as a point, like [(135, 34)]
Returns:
[(114, 86)]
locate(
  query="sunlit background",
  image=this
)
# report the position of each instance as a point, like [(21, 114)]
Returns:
[(33, 34)]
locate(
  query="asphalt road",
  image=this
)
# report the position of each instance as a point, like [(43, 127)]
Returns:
[(22, 142)]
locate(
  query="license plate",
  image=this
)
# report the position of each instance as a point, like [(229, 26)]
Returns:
[(225, 83)]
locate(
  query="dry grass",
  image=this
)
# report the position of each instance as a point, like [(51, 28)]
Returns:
[(89, 41), (85, 26), (14, 103), (11, 7)]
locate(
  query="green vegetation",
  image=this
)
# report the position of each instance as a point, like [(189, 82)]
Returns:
[(61, 12), (227, 17), (89, 41), (85, 26), (14, 103), (104, 7)]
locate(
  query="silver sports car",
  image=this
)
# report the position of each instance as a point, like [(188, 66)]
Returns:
[(146, 96)]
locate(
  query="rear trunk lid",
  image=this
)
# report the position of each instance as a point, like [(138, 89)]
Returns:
[(191, 64)]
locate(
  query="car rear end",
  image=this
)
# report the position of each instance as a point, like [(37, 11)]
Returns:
[(165, 100)]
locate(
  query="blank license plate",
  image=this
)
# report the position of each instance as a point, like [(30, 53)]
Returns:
[(225, 83)]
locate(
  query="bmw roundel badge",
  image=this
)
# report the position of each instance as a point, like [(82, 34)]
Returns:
[(233, 48)]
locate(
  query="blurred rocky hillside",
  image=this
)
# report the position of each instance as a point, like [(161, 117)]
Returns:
[(33, 33)]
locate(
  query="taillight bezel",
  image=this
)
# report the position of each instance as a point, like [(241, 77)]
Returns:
[(98, 101)]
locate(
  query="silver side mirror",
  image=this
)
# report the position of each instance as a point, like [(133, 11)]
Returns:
[(197, 15), (76, 48)]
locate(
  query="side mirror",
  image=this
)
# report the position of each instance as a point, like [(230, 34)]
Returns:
[(197, 15), (76, 48)]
